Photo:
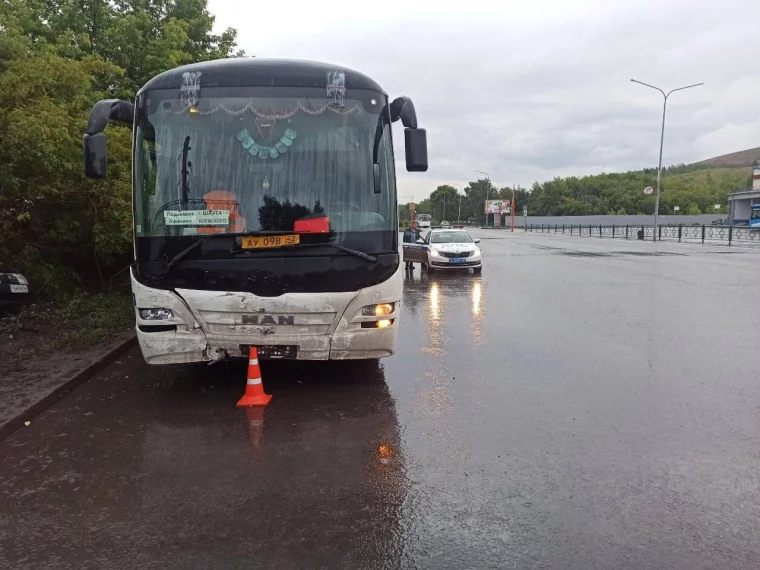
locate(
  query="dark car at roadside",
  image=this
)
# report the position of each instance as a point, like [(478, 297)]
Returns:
[(14, 289)]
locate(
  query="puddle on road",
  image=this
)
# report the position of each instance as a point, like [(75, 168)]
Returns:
[(580, 253), (576, 253), (648, 253), (617, 253)]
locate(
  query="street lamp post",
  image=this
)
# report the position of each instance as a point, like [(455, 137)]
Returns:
[(488, 178), (662, 139), (512, 209)]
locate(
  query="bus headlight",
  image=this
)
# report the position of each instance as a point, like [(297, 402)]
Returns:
[(382, 324), (160, 314), (380, 310)]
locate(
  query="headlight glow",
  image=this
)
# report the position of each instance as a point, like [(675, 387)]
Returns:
[(380, 310), (377, 324)]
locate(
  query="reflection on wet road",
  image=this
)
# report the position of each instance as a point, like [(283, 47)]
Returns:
[(581, 404), (165, 472)]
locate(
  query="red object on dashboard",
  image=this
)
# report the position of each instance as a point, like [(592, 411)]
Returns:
[(320, 225)]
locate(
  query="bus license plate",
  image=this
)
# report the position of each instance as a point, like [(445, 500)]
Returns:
[(458, 260), (281, 352), (260, 242), (19, 288)]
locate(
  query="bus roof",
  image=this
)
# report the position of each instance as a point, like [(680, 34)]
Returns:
[(253, 71)]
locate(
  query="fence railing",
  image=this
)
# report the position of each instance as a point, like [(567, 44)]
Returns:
[(725, 235)]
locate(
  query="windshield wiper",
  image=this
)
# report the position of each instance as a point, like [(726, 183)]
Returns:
[(198, 242), (355, 252), (193, 246)]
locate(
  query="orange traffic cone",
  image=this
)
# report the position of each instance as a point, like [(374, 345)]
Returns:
[(254, 390)]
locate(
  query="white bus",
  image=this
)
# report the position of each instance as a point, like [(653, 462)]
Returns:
[(265, 210), (423, 221)]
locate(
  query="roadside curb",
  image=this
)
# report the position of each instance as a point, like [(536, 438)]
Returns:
[(17, 422)]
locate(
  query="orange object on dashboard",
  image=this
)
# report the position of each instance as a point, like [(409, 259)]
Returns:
[(224, 200), (320, 225)]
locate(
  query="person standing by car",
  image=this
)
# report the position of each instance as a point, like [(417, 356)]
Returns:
[(411, 235)]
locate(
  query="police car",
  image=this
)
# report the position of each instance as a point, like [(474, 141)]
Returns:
[(445, 248)]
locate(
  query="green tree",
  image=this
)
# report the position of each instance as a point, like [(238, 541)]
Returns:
[(444, 202), (693, 210), (57, 58), (476, 194), (142, 37)]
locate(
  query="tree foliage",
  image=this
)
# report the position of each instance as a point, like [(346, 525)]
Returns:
[(57, 58)]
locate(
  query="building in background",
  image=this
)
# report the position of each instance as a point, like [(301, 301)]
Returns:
[(740, 203)]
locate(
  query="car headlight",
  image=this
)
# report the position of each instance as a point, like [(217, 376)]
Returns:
[(20, 278), (476, 253), (160, 314), (435, 253)]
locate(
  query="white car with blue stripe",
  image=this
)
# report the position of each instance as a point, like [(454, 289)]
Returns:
[(445, 249)]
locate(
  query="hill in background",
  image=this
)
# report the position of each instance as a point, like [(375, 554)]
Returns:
[(749, 157), (694, 189)]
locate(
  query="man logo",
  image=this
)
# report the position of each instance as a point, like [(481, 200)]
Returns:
[(268, 320)]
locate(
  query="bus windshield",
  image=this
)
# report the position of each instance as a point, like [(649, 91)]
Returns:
[(260, 159), (424, 218)]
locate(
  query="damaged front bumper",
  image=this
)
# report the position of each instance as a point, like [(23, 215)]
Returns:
[(206, 326)]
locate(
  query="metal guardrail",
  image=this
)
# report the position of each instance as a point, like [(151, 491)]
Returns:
[(683, 233)]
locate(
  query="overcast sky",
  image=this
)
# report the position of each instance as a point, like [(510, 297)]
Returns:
[(537, 88)]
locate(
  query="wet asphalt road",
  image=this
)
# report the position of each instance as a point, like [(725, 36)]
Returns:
[(582, 404)]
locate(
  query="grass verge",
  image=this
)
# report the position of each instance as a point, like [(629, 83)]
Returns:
[(77, 322)]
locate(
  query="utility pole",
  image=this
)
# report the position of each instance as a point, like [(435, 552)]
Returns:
[(662, 139), (513, 208), (459, 212)]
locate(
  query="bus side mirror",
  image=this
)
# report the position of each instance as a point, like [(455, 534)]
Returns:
[(403, 108), (94, 147), (416, 150), (94, 141)]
